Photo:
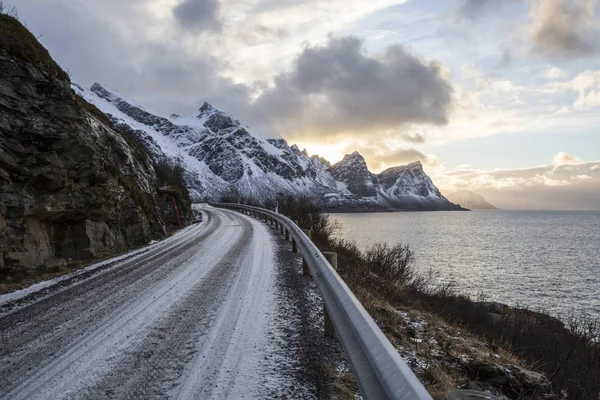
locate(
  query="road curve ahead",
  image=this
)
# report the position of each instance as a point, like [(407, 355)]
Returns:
[(186, 319)]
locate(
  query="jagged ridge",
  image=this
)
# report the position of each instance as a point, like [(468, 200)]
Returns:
[(222, 156)]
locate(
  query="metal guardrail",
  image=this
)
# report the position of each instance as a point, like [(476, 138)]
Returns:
[(380, 371)]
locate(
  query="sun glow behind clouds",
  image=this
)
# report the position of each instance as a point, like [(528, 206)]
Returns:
[(331, 152)]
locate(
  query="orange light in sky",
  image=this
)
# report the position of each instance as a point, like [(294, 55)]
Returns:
[(331, 152)]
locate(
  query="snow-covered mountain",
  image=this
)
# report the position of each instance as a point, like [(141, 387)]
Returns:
[(224, 157), (471, 200)]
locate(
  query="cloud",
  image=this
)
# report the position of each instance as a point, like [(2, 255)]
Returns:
[(586, 84), (553, 73), (198, 15), (136, 51), (564, 28), (472, 9), (380, 157), (337, 88), (574, 186), (563, 158)]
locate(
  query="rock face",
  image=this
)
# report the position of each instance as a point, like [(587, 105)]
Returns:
[(410, 187), (71, 187), (471, 200), (353, 172), (225, 158)]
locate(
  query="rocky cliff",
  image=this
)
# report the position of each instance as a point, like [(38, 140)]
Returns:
[(71, 187), (223, 157)]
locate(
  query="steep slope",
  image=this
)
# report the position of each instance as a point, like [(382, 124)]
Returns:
[(409, 187), (71, 188), (225, 158), (353, 172), (470, 200), (222, 156)]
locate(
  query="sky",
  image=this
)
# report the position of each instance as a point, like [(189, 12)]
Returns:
[(500, 97)]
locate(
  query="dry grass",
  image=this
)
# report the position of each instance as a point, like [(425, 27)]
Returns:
[(20, 43), (568, 355)]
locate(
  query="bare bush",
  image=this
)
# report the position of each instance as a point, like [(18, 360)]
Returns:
[(11, 11), (170, 172), (568, 355), (393, 263), (231, 196)]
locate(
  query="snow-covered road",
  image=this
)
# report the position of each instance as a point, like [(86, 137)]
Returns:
[(189, 318)]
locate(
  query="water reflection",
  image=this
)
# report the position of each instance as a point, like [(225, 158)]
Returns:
[(543, 260)]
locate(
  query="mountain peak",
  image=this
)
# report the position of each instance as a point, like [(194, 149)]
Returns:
[(353, 172), (471, 200), (354, 155), (206, 108), (101, 91), (113, 96), (220, 154), (98, 87)]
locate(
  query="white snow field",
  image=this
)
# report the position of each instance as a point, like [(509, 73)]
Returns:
[(186, 319)]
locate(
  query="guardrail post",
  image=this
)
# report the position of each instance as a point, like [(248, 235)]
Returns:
[(329, 328), (305, 269), (294, 244), (287, 234), (281, 229)]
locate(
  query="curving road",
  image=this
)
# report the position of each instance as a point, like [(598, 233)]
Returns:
[(188, 318)]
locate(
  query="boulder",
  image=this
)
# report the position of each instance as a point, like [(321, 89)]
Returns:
[(510, 379)]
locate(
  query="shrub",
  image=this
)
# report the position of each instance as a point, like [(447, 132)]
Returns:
[(308, 215), (393, 263), (232, 196), (568, 355), (170, 172)]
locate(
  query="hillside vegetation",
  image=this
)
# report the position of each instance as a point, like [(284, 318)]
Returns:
[(73, 189), (452, 341)]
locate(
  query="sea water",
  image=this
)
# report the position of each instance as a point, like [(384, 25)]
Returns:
[(542, 260)]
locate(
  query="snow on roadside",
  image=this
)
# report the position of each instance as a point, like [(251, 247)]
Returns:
[(38, 287)]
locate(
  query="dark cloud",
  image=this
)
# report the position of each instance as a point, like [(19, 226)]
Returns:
[(163, 75), (506, 59), (473, 9), (198, 15), (564, 28), (337, 88), (331, 90)]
